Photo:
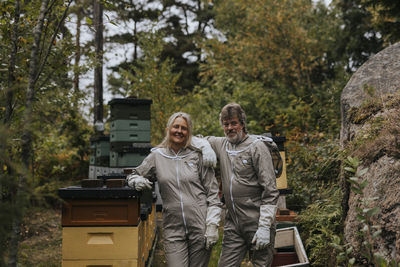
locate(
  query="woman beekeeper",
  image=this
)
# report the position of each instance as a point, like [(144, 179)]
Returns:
[(189, 192)]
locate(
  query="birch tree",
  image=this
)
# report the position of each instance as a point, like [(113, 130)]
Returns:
[(98, 69), (40, 51)]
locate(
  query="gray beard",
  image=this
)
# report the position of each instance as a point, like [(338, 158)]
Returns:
[(236, 139)]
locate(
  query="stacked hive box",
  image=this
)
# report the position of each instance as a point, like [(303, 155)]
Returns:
[(102, 227), (288, 249), (129, 131), (129, 145), (106, 223), (284, 217), (100, 156)]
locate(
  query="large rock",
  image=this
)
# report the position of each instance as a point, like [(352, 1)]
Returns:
[(370, 105), (382, 73)]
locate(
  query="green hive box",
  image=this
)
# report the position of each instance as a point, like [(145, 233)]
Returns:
[(131, 156), (130, 159), (130, 109), (130, 125), (103, 149), (100, 150), (130, 136)]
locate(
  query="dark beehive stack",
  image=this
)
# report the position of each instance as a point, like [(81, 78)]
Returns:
[(129, 131)]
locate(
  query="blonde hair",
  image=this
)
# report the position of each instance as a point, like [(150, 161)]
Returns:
[(166, 142)]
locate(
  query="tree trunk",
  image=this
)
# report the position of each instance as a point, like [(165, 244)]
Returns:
[(98, 71), (11, 66), (27, 135), (10, 85), (77, 54), (135, 43)]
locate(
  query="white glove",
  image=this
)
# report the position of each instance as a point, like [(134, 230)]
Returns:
[(212, 222), (262, 236), (209, 156), (211, 235), (213, 215), (138, 182), (262, 138)]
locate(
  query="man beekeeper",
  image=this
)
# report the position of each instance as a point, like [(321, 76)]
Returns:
[(249, 188)]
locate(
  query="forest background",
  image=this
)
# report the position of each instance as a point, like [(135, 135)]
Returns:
[(285, 61)]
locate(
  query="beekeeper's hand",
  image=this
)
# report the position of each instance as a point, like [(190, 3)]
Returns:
[(211, 235), (262, 236), (138, 182), (209, 156)]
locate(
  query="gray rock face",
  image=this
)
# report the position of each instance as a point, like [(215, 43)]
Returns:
[(377, 136), (381, 72)]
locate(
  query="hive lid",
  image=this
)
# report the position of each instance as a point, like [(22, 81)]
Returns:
[(130, 101), (77, 192)]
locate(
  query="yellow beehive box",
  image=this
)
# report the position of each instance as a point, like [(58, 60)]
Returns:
[(151, 227), (102, 243), (281, 182), (142, 244), (146, 238), (152, 221)]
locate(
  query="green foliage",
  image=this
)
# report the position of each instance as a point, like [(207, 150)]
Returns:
[(275, 69), (7, 185), (219, 94), (319, 223), (313, 168), (386, 14), (10, 171), (184, 29), (344, 252), (50, 93), (61, 155), (187, 30), (207, 123), (312, 165), (357, 39)]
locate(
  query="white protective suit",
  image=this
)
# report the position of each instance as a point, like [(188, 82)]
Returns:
[(189, 192), (248, 184)]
